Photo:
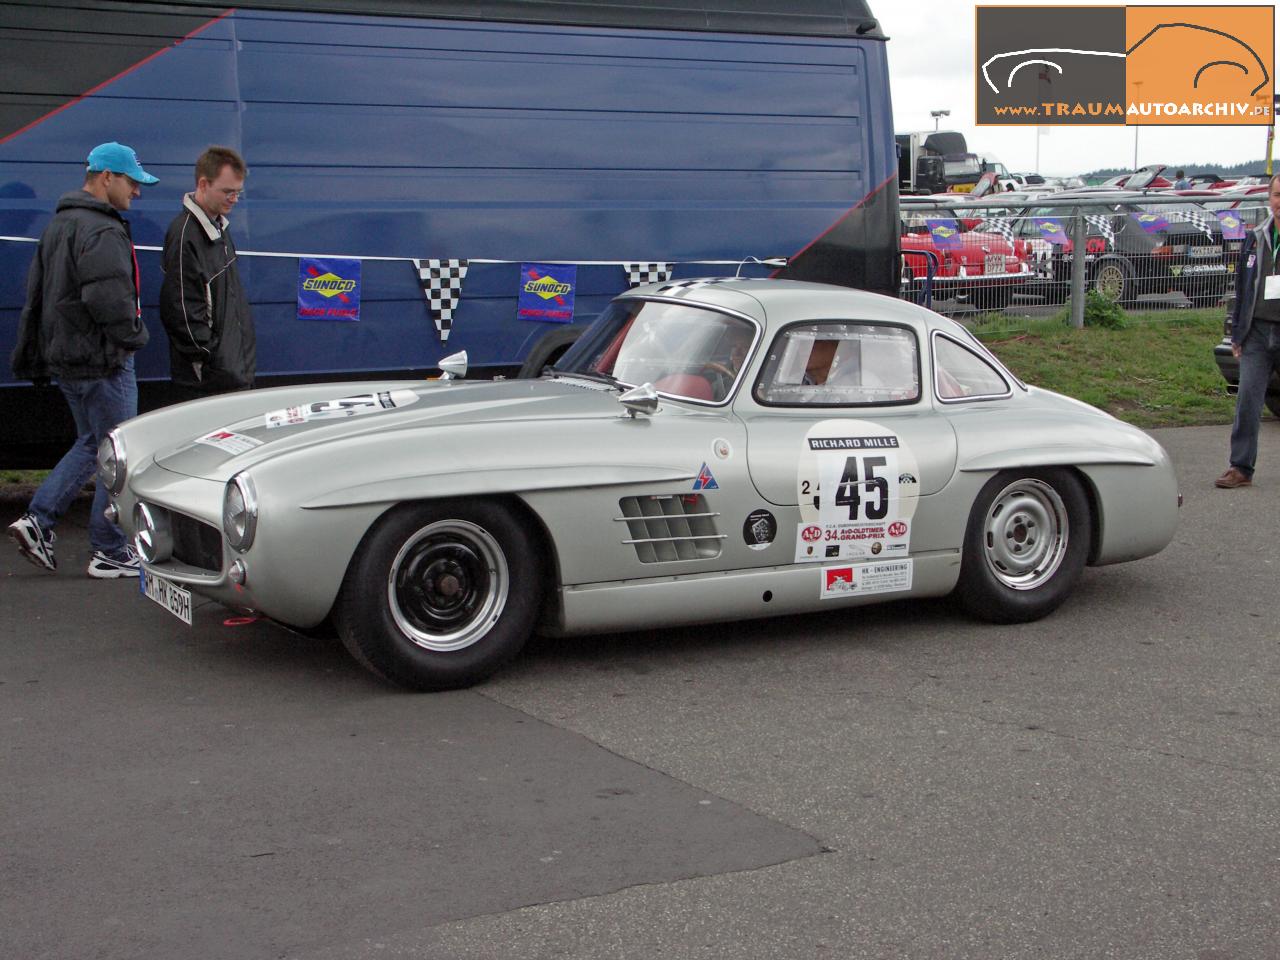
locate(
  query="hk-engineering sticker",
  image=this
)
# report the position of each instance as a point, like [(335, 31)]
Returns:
[(862, 579), (336, 409), (858, 485)]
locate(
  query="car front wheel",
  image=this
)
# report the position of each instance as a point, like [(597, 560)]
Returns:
[(1025, 545), (439, 595), (1113, 279)]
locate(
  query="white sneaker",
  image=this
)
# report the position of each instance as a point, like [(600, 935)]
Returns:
[(34, 542), (110, 566)]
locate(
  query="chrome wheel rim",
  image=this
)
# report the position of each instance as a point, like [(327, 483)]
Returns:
[(1024, 534), (448, 585)]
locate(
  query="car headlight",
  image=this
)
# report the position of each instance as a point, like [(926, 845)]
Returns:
[(111, 462), (240, 512), (154, 537)]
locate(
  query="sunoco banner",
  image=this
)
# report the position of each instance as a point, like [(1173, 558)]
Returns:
[(546, 292), (328, 289), (1167, 65)]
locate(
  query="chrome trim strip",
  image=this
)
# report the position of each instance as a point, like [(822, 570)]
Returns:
[(705, 536)]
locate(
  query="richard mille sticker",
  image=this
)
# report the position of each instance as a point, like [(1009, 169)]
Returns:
[(862, 579), (759, 529), (336, 409), (857, 488), (228, 442)]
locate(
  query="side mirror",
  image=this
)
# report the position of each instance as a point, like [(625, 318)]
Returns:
[(641, 399), (454, 366)]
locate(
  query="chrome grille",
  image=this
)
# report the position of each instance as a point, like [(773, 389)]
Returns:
[(668, 527)]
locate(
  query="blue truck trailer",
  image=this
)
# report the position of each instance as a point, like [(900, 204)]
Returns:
[(395, 134)]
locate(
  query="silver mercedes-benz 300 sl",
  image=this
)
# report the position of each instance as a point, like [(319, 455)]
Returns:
[(707, 451)]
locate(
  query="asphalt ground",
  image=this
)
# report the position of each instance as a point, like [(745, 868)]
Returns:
[(894, 782)]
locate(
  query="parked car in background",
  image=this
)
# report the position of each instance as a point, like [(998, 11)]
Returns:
[(1135, 246), (972, 266), (708, 450)]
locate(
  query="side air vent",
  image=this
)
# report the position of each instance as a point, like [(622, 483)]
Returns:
[(669, 527)]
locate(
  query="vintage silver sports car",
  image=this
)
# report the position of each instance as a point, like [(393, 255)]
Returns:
[(707, 451)]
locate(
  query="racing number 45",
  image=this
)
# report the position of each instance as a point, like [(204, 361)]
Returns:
[(874, 500)]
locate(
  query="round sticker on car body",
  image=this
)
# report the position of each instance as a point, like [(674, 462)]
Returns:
[(759, 529), (873, 481)]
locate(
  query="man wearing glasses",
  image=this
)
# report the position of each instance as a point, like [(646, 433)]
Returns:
[(212, 348), (81, 325)]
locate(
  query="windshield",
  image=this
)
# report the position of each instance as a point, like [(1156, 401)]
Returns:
[(962, 165), (689, 352)]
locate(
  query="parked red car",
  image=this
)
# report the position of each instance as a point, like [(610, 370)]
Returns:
[(967, 265)]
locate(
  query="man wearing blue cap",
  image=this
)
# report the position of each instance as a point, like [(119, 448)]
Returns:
[(81, 325)]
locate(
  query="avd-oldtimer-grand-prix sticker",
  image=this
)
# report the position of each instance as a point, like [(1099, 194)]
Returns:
[(858, 484), (352, 406)]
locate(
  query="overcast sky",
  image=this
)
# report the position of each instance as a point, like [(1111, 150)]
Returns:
[(931, 65)]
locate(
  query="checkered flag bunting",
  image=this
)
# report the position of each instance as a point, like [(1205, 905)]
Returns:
[(441, 282), (638, 273), (1103, 225), (1196, 218), (999, 225)]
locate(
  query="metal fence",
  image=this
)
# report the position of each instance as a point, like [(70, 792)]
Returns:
[(1022, 256)]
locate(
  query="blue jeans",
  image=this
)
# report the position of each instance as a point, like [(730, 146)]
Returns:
[(97, 407), (1259, 353)]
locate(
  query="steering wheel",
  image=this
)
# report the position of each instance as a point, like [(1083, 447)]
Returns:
[(721, 369)]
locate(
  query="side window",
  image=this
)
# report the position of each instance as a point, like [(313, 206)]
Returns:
[(960, 374), (840, 364)]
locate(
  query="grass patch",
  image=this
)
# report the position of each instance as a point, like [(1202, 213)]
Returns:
[(23, 476), (1156, 371)]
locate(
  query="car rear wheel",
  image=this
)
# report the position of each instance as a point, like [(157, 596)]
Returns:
[(1025, 545), (440, 595)]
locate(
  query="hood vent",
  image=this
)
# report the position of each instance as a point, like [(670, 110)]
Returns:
[(668, 527)]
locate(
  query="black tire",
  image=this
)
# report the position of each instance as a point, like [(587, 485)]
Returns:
[(1025, 545), (440, 595), (548, 350), (1113, 279)]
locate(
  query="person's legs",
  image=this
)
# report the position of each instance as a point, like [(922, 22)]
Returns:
[(73, 471), (111, 401), (1255, 371)]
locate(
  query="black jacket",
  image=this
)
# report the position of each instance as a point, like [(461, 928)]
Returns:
[(1251, 271), (203, 306), (81, 320)]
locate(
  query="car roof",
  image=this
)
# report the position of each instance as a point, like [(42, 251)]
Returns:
[(778, 302)]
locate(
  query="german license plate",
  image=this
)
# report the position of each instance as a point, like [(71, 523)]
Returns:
[(175, 599), (993, 263), (1204, 251)]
